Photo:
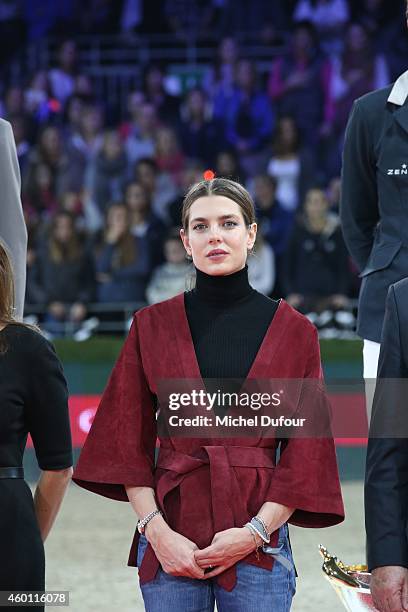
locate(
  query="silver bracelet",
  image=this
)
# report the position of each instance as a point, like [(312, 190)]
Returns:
[(255, 529), (260, 520), (141, 523)]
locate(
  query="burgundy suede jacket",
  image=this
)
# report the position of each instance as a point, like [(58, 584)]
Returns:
[(204, 486)]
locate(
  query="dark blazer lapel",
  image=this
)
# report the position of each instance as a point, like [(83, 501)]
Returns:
[(400, 114)]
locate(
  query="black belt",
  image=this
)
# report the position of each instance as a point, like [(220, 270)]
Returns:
[(11, 472)]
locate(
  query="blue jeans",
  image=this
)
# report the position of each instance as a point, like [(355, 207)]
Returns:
[(257, 589)]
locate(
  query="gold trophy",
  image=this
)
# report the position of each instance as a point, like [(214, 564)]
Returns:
[(351, 582)]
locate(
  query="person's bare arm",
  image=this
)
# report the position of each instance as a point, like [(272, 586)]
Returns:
[(48, 497), (231, 545), (173, 550)]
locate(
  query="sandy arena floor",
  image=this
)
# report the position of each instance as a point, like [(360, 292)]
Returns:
[(88, 549)]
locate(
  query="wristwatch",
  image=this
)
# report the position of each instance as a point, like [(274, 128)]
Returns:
[(141, 523)]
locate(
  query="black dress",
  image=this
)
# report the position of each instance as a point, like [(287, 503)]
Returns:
[(33, 399)]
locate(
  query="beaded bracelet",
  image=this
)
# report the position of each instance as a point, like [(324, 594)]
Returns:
[(260, 531)]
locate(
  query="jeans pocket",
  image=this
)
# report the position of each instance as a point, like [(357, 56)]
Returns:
[(141, 549)]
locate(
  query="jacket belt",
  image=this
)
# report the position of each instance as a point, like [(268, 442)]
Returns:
[(220, 459), (224, 488), (11, 472)]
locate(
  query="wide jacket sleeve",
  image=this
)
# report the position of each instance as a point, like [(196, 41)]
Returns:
[(306, 476), (120, 446)]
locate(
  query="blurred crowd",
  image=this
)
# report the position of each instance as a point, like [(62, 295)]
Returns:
[(102, 193)]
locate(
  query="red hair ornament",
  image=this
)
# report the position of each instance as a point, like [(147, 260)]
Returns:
[(209, 175)]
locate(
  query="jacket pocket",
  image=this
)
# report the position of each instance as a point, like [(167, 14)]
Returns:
[(381, 257)]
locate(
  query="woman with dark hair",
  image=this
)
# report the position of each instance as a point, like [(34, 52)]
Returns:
[(212, 501), (228, 166), (123, 262), (33, 398), (298, 82), (316, 270), (201, 136), (144, 224), (63, 279), (290, 165), (166, 105), (107, 171), (65, 163)]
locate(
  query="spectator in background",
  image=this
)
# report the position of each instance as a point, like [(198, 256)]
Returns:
[(63, 275), (39, 199), (65, 164), (13, 105), (87, 136), (83, 86), (298, 82), (201, 136), (62, 78), (261, 267), (167, 107), (227, 165), (143, 222), (141, 139), (168, 155), (122, 263), (71, 202), (170, 278), (13, 102), (375, 16), (192, 173), (134, 103), (159, 187), (107, 172), (73, 109), (250, 119), (329, 18), (275, 222), (20, 132), (37, 98), (355, 72), (290, 165), (219, 81), (316, 263)]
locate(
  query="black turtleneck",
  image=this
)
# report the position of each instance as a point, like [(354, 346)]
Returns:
[(228, 320)]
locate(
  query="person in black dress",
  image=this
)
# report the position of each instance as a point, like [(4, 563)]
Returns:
[(33, 399)]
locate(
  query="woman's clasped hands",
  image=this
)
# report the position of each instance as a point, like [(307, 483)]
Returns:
[(179, 556)]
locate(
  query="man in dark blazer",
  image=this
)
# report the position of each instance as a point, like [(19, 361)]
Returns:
[(13, 230), (374, 204), (386, 484)]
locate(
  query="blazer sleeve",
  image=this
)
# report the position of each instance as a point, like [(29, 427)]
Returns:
[(306, 476), (359, 199), (386, 480), (120, 446), (12, 225)]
